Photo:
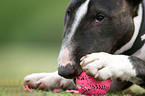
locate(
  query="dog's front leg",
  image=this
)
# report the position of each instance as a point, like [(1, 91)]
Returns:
[(48, 81), (139, 66), (103, 66)]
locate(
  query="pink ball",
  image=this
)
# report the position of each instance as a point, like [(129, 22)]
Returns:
[(90, 86)]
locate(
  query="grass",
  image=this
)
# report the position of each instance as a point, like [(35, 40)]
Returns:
[(18, 60)]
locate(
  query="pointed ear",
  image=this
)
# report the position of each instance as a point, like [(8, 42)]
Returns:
[(135, 6), (135, 2)]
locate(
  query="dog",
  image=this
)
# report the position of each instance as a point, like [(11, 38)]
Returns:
[(104, 38)]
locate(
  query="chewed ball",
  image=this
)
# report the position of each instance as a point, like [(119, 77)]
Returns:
[(90, 86)]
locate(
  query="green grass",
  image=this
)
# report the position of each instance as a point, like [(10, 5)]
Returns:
[(18, 60)]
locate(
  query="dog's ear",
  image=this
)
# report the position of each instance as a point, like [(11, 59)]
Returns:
[(137, 1), (135, 4)]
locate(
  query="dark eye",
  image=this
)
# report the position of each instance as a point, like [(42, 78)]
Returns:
[(99, 18), (68, 12)]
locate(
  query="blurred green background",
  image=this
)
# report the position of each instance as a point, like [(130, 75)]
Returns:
[(31, 21), (30, 37)]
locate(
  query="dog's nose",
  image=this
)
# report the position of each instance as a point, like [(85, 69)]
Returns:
[(67, 71)]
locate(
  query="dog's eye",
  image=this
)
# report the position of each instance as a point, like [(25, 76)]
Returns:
[(68, 12), (99, 18)]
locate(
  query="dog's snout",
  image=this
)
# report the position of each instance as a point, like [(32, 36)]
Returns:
[(67, 71)]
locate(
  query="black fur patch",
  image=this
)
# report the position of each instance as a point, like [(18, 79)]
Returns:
[(139, 66)]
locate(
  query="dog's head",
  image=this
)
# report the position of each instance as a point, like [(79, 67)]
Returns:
[(94, 26)]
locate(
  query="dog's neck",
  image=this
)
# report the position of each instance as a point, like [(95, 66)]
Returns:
[(137, 24)]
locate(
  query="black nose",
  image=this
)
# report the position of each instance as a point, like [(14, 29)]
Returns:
[(67, 72)]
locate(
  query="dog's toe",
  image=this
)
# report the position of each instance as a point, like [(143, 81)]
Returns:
[(47, 81), (30, 84), (32, 80), (42, 86)]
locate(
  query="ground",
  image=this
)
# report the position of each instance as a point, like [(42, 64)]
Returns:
[(18, 60)]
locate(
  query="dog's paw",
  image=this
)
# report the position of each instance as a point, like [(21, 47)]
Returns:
[(48, 81), (103, 66)]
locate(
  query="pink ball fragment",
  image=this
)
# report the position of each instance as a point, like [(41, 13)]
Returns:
[(27, 89), (90, 86), (128, 95), (56, 90), (73, 91)]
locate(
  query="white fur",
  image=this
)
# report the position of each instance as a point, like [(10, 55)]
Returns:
[(64, 57), (137, 23), (80, 13), (104, 66), (143, 37), (64, 52), (35, 77), (140, 53), (50, 80)]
